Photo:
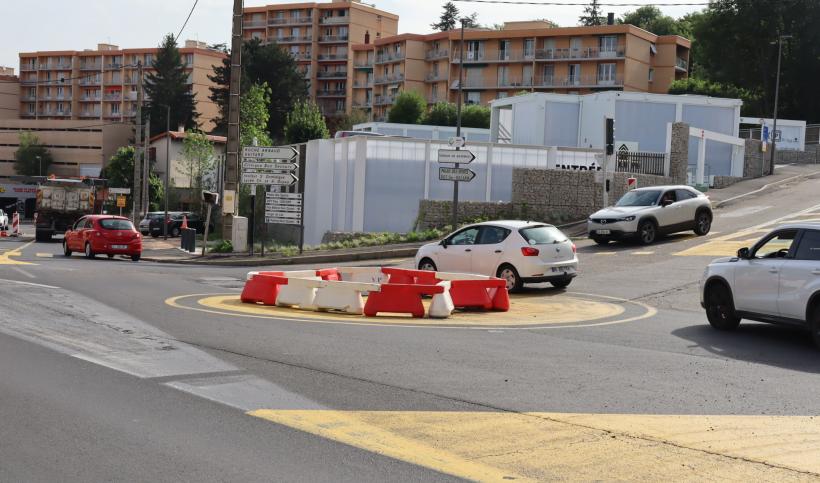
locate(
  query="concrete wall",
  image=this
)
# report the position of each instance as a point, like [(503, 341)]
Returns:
[(9, 97), (438, 214)]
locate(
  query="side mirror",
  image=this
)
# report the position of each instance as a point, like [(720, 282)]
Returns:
[(444, 243), (743, 253), (666, 203)]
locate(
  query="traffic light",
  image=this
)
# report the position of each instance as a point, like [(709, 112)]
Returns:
[(610, 136)]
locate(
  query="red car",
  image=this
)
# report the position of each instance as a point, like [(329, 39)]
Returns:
[(103, 234)]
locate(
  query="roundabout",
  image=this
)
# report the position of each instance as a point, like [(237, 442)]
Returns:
[(534, 310)]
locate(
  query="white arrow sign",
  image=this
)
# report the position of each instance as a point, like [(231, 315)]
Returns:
[(251, 166), (279, 202), (455, 156), (285, 214), (282, 179), (285, 209), (456, 141), (282, 221), (283, 196), (455, 174), (119, 191), (270, 152)]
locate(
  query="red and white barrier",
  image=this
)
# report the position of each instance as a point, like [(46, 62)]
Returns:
[(15, 224)]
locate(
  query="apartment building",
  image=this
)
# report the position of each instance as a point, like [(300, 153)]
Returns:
[(9, 93), (102, 83), (523, 56), (320, 37)]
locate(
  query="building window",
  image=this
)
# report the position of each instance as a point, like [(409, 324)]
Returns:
[(608, 43), (606, 74), (549, 75), (115, 108), (472, 97), (31, 108), (502, 95), (651, 75), (574, 77), (503, 75), (529, 48), (503, 50)]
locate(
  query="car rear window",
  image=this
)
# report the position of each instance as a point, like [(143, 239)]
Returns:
[(110, 224), (542, 235)]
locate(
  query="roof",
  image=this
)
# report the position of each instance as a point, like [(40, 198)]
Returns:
[(511, 224), (800, 226), (665, 187), (176, 135)]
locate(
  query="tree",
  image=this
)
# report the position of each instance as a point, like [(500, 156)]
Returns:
[(448, 19), (197, 160), (254, 112), (592, 15), (261, 64), (119, 171), (304, 123), (471, 21), (651, 19), (347, 121), (31, 158), (751, 100), (168, 86), (408, 108), (441, 114), (475, 115)]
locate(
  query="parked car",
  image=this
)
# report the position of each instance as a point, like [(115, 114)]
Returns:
[(518, 251), (777, 280), (145, 223), (646, 213), (4, 221), (175, 219), (103, 235)]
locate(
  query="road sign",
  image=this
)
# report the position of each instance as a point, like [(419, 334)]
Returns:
[(283, 196), (282, 208), (121, 203), (282, 221), (455, 174), (455, 156), (281, 179), (456, 141), (119, 191), (257, 166), (286, 153)]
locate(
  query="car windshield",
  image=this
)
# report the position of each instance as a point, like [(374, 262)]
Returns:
[(542, 235), (114, 224), (639, 198)]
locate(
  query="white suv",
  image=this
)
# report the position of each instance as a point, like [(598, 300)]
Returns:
[(776, 281), (648, 212)]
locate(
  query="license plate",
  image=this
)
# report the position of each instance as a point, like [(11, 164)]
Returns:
[(119, 247), (603, 232), (561, 269)]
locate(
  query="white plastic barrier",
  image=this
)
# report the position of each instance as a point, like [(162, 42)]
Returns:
[(363, 274), (442, 304), (290, 274), (343, 296), (300, 292)]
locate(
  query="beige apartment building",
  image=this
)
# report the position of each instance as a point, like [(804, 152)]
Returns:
[(320, 37), (101, 84), (9, 93)]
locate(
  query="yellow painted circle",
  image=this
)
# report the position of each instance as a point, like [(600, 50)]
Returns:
[(526, 312)]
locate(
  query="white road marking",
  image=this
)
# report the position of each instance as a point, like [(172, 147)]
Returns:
[(44, 255), (748, 210), (28, 283), (22, 272)]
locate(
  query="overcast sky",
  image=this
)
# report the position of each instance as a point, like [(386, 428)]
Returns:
[(30, 25)]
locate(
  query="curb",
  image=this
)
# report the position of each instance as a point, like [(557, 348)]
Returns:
[(726, 202), (296, 260)]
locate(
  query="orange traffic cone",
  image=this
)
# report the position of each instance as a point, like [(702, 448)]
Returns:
[(184, 222)]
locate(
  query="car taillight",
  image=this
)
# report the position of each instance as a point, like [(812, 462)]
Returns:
[(529, 251), (574, 248)]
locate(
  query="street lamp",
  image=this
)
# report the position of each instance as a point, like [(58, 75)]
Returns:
[(779, 43)]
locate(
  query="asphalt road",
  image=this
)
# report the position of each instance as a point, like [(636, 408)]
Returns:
[(104, 380)]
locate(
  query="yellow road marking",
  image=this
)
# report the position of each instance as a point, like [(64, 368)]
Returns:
[(293, 315), (499, 446), (6, 260)]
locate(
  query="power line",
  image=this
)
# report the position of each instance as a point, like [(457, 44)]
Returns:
[(584, 4), (186, 20)]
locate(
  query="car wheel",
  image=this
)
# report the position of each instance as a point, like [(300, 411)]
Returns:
[(720, 308), (175, 232), (427, 265), (561, 283), (135, 258), (89, 253), (510, 274), (601, 241), (647, 232), (703, 223), (154, 235), (110, 256), (66, 250)]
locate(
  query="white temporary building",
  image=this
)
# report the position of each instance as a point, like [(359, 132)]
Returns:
[(423, 131), (792, 133), (642, 122)]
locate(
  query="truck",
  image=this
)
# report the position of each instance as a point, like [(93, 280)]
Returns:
[(61, 202)]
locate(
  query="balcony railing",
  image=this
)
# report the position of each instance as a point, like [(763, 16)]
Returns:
[(305, 73), (28, 81), (681, 64), (435, 76), (28, 67), (95, 66), (113, 66), (250, 24), (294, 38), (368, 64), (85, 98), (437, 54), (331, 93), (334, 20), (63, 97), (469, 56), (363, 84), (290, 20), (578, 81), (90, 82), (389, 57), (384, 100), (113, 97), (131, 95), (89, 114), (389, 79), (28, 97), (27, 114), (301, 55), (333, 38), (332, 74), (580, 54), (54, 112), (363, 105), (55, 66), (333, 56)]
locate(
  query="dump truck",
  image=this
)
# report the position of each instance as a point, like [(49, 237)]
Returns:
[(61, 202)]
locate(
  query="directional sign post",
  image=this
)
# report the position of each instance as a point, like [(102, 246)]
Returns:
[(281, 179), (286, 153), (455, 156), (457, 175), (283, 208), (463, 175)]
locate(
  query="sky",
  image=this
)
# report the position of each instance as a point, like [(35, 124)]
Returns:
[(33, 25)]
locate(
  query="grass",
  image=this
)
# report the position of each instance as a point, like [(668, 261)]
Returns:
[(363, 241)]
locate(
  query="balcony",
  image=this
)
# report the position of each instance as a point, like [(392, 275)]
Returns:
[(469, 56), (304, 72), (435, 77), (580, 54), (332, 74), (27, 114), (113, 115), (28, 67), (503, 83), (384, 100), (28, 97), (573, 82), (131, 95), (54, 113), (436, 54), (388, 79), (28, 82), (89, 114), (113, 97), (55, 66), (333, 38), (384, 58), (290, 20), (363, 85), (681, 64), (363, 105), (85, 98), (90, 66), (332, 57), (331, 93), (254, 24), (63, 97), (301, 56), (113, 66), (293, 39), (334, 20), (366, 65), (90, 82)]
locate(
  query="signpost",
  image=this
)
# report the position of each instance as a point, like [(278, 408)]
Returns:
[(455, 174), (463, 175), (455, 156), (285, 153), (280, 179), (121, 203), (284, 208), (456, 141)]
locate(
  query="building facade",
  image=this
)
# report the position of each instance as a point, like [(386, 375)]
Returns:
[(101, 84), (9, 93), (320, 37)]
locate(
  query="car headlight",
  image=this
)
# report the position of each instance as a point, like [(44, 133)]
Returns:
[(627, 218)]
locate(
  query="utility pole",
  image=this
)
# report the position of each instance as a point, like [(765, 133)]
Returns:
[(780, 40), (137, 190), (146, 165), (167, 166), (458, 121), (232, 158)]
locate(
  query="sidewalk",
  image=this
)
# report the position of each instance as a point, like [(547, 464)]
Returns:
[(782, 174)]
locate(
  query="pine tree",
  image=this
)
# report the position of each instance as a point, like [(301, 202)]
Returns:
[(448, 19), (168, 86), (592, 15)]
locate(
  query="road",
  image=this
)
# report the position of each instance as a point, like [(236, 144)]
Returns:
[(114, 370)]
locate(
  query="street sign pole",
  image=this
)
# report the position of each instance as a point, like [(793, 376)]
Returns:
[(458, 121)]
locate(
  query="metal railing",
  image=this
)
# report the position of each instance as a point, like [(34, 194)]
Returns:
[(389, 57), (361, 85), (297, 38), (85, 98), (90, 114), (90, 82), (436, 54), (27, 114), (331, 93), (640, 162), (28, 97), (289, 20), (681, 63), (27, 67), (55, 66), (435, 76), (332, 74), (384, 100), (254, 23), (469, 56), (578, 81), (333, 38), (368, 64), (333, 56), (334, 20), (363, 105), (28, 81), (301, 55), (112, 97), (580, 54), (388, 79), (113, 66), (94, 66)]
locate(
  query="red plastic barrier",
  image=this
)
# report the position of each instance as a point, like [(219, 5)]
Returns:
[(400, 299), (479, 294), (263, 288), (329, 274), (410, 277)]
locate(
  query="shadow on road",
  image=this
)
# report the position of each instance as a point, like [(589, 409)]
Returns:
[(627, 245), (780, 346)]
